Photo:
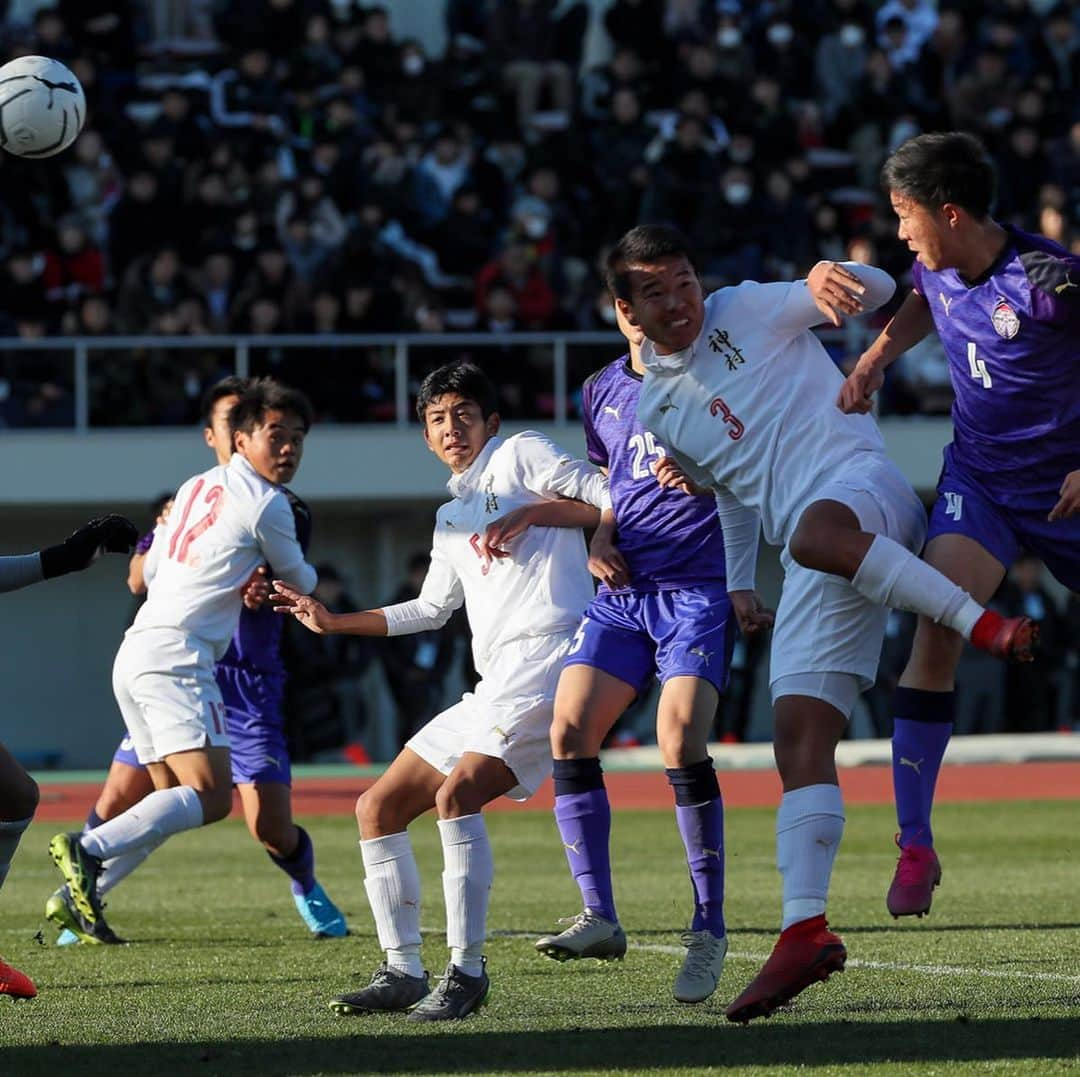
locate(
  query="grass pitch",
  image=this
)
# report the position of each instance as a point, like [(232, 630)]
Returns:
[(221, 977)]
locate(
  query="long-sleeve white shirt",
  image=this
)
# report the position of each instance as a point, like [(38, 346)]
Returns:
[(224, 523), (543, 586), (751, 404)]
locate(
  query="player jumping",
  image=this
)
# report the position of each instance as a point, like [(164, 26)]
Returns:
[(744, 396), (1006, 305)]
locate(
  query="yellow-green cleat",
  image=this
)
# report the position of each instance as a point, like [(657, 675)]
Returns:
[(61, 910), (80, 871)]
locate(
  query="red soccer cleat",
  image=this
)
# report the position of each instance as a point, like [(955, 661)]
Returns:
[(917, 873), (1011, 638), (15, 983), (805, 953)]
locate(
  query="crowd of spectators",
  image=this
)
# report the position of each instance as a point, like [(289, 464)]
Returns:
[(305, 171)]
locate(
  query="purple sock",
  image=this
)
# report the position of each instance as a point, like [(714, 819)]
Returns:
[(702, 830), (584, 821), (921, 732), (300, 866), (93, 820)]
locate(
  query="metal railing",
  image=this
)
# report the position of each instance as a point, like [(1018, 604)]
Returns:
[(592, 348)]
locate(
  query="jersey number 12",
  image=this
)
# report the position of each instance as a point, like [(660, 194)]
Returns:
[(184, 536)]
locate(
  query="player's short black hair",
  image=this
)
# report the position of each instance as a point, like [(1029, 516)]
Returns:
[(948, 166), (230, 386), (642, 245), (266, 394), (465, 379)]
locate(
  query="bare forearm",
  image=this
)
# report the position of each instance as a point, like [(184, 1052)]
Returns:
[(564, 512), (906, 328), (361, 623), (136, 581)]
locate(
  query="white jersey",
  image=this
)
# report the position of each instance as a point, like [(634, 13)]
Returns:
[(224, 523), (543, 586), (752, 402)]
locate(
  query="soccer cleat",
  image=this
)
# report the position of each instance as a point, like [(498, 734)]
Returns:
[(701, 968), (322, 916), (1011, 638), (80, 871), (588, 935), (455, 996), (805, 953), (15, 983), (62, 911), (390, 990), (917, 873)]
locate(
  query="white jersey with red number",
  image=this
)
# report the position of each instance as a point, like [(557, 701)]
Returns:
[(543, 586), (750, 406), (224, 524)]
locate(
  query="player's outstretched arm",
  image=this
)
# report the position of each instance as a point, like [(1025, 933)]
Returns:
[(313, 615), (906, 328), (561, 512), (106, 534)]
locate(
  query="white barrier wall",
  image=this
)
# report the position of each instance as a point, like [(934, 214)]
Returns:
[(374, 491)]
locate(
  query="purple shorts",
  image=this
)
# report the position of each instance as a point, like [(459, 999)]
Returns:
[(687, 632), (1003, 523), (256, 725)]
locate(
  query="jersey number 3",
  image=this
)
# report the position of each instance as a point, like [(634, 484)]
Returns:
[(184, 536)]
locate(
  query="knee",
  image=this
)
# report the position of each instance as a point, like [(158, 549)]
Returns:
[(20, 801), (936, 649), (276, 835), (216, 803), (567, 738), (673, 740), (375, 815), (458, 796)]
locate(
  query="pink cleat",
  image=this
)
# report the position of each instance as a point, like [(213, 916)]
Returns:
[(805, 953), (917, 873), (1011, 638)]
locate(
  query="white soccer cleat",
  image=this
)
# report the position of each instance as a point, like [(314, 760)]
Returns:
[(588, 935), (702, 966)]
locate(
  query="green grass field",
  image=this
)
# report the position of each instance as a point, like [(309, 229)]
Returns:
[(220, 976)]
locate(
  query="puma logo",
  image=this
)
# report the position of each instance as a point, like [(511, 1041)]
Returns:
[(1069, 285), (710, 852), (609, 410), (573, 846), (914, 765)]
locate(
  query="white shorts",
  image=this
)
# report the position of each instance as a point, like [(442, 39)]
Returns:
[(823, 625), (507, 717), (165, 688)]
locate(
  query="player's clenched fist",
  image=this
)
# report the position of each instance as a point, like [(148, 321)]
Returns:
[(751, 613), (857, 392), (310, 612), (106, 534)]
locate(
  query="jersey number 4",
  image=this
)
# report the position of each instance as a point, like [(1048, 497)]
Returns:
[(184, 536), (977, 367)]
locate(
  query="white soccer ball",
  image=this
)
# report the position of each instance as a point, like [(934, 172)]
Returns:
[(42, 107)]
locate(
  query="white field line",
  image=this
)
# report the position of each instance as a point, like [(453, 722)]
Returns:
[(859, 963)]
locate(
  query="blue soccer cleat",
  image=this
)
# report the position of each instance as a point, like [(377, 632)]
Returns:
[(322, 916), (67, 937)]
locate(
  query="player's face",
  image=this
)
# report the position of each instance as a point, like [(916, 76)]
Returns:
[(924, 230), (274, 449), (665, 302), (456, 431), (218, 435)]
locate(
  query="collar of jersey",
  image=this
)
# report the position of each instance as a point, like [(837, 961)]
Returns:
[(459, 485), (675, 363), (242, 463)]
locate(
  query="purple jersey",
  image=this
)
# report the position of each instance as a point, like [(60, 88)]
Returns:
[(669, 540), (1011, 338)]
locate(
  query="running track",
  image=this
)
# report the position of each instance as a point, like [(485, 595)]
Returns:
[(647, 789)]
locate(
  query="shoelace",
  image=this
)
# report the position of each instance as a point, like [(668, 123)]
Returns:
[(697, 953), (909, 867), (581, 921)]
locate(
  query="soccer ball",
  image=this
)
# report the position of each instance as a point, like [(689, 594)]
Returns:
[(42, 107)]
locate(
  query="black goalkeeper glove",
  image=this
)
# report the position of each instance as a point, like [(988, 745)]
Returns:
[(109, 534)]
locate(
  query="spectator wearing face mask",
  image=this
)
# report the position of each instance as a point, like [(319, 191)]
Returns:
[(838, 63)]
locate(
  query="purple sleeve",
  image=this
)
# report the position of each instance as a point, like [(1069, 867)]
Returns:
[(1055, 292), (917, 277), (144, 544), (595, 449)]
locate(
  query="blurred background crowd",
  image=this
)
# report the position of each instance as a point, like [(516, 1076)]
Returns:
[(270, 167), (290, 166)]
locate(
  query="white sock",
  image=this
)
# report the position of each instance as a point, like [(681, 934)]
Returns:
[(468, 871), (10, 833), (118, 868), (392, 882), (892, 576), (809, 826), (157, 816)]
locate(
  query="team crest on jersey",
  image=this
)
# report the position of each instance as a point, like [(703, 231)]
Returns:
[(1005, 321), (491, 502)]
